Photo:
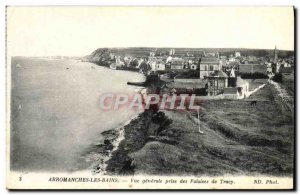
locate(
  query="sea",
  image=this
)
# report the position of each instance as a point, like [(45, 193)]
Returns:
[(55, 112)]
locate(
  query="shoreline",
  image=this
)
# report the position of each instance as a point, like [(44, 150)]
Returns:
[(111, 142), (119, 161), (130, 69)]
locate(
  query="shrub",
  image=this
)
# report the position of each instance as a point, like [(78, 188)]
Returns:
[(277, 78), (255, 75)]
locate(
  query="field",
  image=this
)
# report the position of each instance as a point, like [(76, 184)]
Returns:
[(239, 138)]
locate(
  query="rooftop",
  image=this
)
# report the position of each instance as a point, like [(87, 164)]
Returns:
[(186, 85), (209, 60), (177, 61), (218, 73)]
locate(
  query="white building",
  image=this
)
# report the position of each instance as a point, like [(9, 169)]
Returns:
[(231, 59), (160, 65), (241, 90), (152, 65), (237, 54), (169, 59)]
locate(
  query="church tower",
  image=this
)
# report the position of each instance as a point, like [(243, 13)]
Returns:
[(275, 54)]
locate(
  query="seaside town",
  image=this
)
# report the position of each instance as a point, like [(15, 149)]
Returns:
[(246, 120), (194, 71)]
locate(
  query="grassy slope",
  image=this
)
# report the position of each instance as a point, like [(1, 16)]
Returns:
[(239, 138), (289, 83)]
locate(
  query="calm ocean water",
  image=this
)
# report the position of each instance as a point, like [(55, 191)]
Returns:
[(55, 115)]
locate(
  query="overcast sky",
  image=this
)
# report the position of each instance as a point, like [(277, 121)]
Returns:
[(77, 31)]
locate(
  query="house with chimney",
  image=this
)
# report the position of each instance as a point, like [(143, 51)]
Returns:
[(160, 65), (208, 64), (177, 64)]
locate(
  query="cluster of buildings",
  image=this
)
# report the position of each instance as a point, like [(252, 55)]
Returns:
[(280, 65), (210, 74)]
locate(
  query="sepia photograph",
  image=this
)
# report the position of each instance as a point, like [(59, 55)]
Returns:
[(199, 98)]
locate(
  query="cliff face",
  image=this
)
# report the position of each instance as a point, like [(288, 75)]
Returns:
[(122, 57), (101, 56), (138, 133)]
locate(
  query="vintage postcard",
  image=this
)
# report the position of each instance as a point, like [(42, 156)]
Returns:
[(150, 97)]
